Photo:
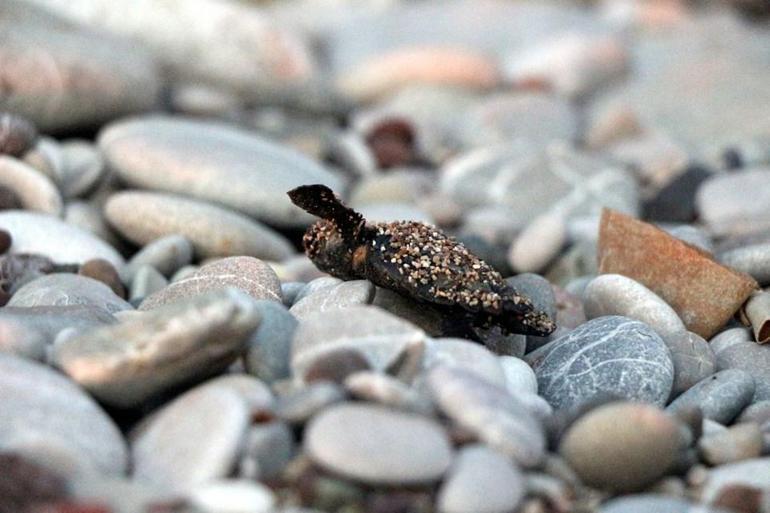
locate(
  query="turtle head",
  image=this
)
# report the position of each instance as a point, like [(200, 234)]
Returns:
[(329, 250)]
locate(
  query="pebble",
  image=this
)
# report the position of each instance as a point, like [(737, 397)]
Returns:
[(753, 259), (758, 411), (215, 163), (248, 274), (317, 285), (487, 411), (33, 189), (377, 387), (167, 255), (621, 446), (611, 354), (40, 402), (420, 314), (519, 376), (232, 496), (46, 235), (269, 347), (613, 294), (342, 295), (693, 360), (538, 244), (751, 358), (88, 217), (675, 201), (83, 168), (732, 203), (213, 231), (290, 290), (63, 289), (720, 397), (17, 135), (381, 338), (538, 289), (754, 473), (482, 481), (336, 366), (736, 443), (702, 292), (267, 450), (299, 406), (105, 272), (651, 503), (378, 446), (147, 281), (464, 354), (692, 235), (126, 363), (184, 445), (729, 337)]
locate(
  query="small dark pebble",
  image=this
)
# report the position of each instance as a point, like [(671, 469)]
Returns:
[(103, 271), (336, 366), (740, 499), (399, 502), (392, 142), (8, 199), (17, 134), (731, 159), (24, 484), (675, 203), (16, 270), (5, 241)]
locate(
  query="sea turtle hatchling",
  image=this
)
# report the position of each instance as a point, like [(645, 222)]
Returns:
[(416, 260)]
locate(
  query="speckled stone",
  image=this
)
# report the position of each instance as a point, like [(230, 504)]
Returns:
[(751, 358), (248, 274), (481, 480), (269, 348), (611, 354), (613, 294), (720, 397), (38, 402), (126, 363), (341, 295), (167, 254), (474, 358), (753, 260), (61, 289), (377, 445), (43, 234), (621, 446), (33, 189), (213, 231), (213, 162)]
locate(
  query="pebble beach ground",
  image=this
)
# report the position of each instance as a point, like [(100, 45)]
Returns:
[(167, 347)]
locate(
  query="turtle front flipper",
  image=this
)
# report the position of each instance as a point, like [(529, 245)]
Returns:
[(321, 201)]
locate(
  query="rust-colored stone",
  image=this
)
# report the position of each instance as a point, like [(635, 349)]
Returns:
[(703, 292)]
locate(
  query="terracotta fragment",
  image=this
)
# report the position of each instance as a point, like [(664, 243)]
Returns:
[(703, 292)]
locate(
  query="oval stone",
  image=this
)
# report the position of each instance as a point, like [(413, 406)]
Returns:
[(693, 360), (751, 358), (167, 255), (471, 356), (213, 231), (34, 190), (753, 260), (62, 289), (606, 355), (342, 295), (377, 445), (720, 397)]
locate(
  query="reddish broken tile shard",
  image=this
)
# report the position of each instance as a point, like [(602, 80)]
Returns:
[(703, 292)]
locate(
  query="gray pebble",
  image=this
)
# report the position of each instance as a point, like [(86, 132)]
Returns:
[(146, 281), (519, 376), (651, 503), (381, 388), (693, 360), (342, 295), (167, 254), (758, 412), (83, 168), (290, 291), (269, 348), (720, 397), (232, 496), (539, 243), (536, 288), (298, 406), (62, 289), (731, 202), (729, 337), (471, 356), (692, 235), (751, 358), (753, 260), (267, 450), (317, 285)]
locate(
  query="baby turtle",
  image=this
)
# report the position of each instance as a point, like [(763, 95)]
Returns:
[(416, 260)]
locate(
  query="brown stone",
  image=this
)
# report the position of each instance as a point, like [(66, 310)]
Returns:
[(103, 271), (703, 292)]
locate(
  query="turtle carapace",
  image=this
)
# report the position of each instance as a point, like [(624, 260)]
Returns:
[(416, 260)]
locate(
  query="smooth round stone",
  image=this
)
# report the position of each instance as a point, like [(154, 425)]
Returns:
[(381, 338), (753, 260), (758, 412), (730, 337), (62, 289), (691, 235), (606, 355), (267, 450), (519, 376), (614, 294), (398, 186), (342, 295), (720, 397), (34, 190), (733, 203), (232, 496), (621, 446), (38, 401), (147, 280), (377, 445), (83, 168), (754, 473), (739, 442), (255, 394), (693, 360), (336, 366), (650, 503), (104, 272), (471, 356), (193, 440), (213, 231), (248, 274), (88, 217), (269, 347), (47, 235), (298, 406), (316, 285), (17, 134), (126, 363), (481, 480), (213, 162), (377, 387), (538, 244), (289, 291), (751, 358), (537, 289), (489, 412), (167, 254)]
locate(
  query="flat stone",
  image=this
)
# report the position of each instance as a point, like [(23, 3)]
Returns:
[(621, 446), (381, 338), (336, 366), (147, 281), (267, 450), (481, 480), (82, 169), (38, 402), (732, 203), (88, 217), (299, 406), (471, 356), (736, 443), (490, 413), (167, 254), (248, 274), (650, 503), (720, 397), (342, 295), (63, 289), (232, 496), (753, 260), (751, 358), (381, 388), (691, 235), (184, 445), (704, 293), (754, 473), (730, 337), (614, 294), (758, 411), (126, 363), (519, 376), (213, 162), (269, 347), (49, 236), (607, 355), (538, 244), (377, 445), (693, 360), (33, 189), (213, 231)]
